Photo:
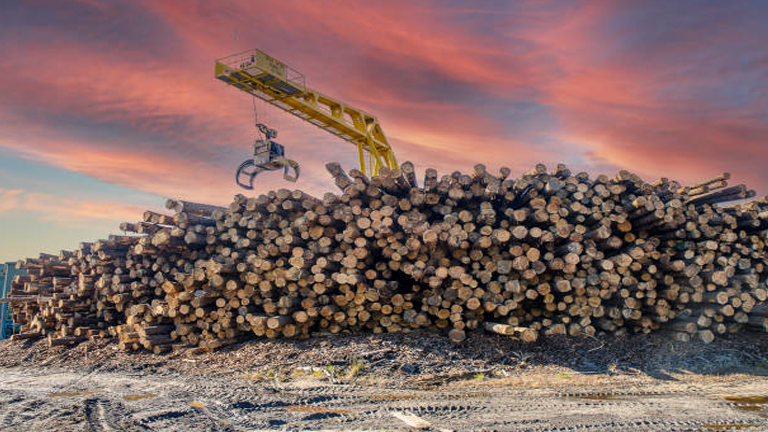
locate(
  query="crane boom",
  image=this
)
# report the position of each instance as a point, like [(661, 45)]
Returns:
[(272, 81)]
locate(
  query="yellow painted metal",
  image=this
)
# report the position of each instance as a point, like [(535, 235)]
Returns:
[(272, 81), (271, 65)]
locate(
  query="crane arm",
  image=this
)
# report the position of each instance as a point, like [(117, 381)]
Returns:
[(272, 81)]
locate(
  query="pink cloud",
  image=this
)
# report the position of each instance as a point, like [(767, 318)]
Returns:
[(158, 100), (69, 210), (440, 80), (9, 199)]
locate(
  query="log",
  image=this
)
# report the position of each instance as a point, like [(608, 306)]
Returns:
[(550, 253)]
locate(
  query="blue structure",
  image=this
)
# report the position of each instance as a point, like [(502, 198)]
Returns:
[(7, 272)]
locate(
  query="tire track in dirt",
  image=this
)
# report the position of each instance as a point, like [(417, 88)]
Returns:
[(116, 401)]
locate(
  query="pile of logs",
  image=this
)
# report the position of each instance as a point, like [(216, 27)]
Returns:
[(548, 253)]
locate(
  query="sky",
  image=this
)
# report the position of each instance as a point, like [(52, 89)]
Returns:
[(107, 108)]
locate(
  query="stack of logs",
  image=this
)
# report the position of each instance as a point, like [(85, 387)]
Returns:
[(548, 253)]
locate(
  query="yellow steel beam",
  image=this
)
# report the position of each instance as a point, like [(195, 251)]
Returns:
[(262, 76)]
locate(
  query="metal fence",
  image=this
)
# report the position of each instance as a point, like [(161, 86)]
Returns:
[(7, 272)]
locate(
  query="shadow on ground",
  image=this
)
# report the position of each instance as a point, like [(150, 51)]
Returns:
[(422, 353)]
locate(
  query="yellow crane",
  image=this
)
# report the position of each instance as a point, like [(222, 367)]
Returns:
[(274, 82)]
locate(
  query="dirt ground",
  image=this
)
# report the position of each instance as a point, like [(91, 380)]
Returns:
[(368, 382)]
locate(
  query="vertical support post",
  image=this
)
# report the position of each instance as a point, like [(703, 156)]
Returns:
[(376, 156), (361, 154)]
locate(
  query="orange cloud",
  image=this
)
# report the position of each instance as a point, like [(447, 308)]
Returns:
[(69, 210)]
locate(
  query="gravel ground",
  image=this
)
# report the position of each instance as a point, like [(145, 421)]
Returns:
[(361, 382)]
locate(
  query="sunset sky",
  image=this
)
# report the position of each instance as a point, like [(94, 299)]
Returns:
[(109, 107)]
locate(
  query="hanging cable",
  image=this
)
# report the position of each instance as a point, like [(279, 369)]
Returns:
[(255, 112)]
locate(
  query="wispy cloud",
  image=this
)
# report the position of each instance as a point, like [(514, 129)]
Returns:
[(9, 199), (66, 210)]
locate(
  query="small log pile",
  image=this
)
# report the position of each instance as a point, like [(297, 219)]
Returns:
[(547, 253)]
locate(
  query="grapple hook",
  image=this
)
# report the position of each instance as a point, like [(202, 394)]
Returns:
[(245, 174)]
